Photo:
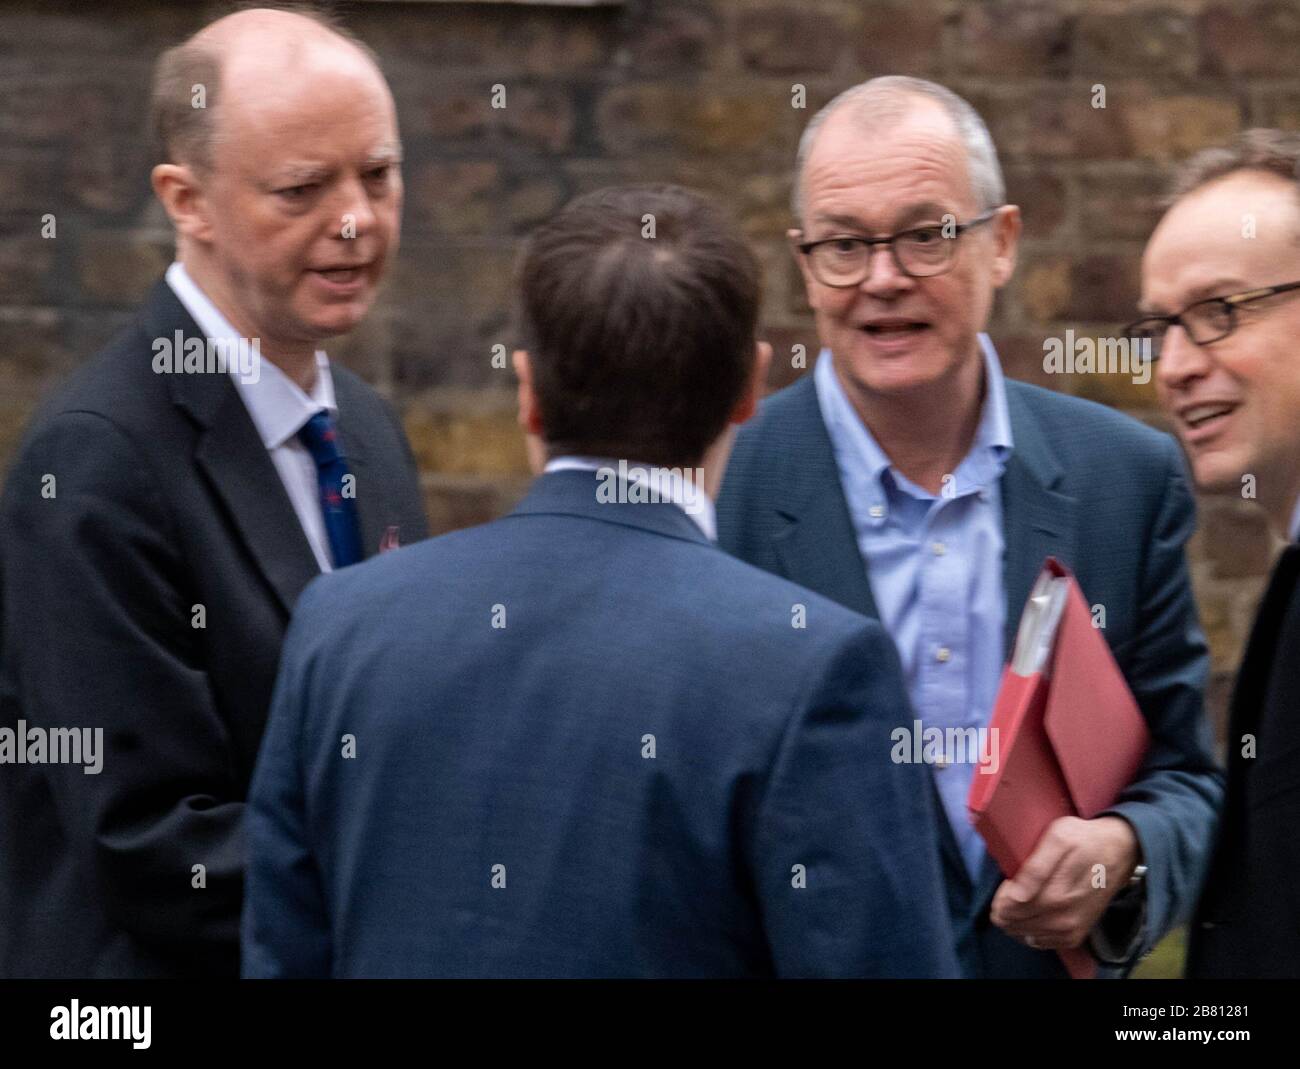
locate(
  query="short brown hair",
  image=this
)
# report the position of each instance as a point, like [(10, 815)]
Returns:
[(183, 133), (1272, 151), (640, 310)]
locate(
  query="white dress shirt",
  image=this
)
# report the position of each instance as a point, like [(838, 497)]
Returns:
[(690, 496), (279, 408)]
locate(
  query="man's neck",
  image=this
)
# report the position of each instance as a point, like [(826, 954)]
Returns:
[(296, 360), (927, 432)]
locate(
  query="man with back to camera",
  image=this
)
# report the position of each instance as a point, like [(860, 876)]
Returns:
[(1220, 278), (582, 741), (165, 511), (907, 479)]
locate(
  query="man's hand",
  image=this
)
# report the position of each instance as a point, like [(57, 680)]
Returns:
[(1053, 902)]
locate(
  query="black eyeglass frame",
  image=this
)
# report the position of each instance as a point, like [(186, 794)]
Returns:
[(1231, 302), (958, 229)]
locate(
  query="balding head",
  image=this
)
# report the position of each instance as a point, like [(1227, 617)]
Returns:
[(881, 103), (282, 175), (232, 61)]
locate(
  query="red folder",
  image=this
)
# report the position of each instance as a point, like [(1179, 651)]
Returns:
[(1070, 739)]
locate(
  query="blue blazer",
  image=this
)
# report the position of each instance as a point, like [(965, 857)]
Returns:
[(1108, 497), (582, 741)]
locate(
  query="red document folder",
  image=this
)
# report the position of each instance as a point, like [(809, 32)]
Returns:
[(1070, 736)]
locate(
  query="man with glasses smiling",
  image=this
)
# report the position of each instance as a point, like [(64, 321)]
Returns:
[(1219, 279), (907, 479)]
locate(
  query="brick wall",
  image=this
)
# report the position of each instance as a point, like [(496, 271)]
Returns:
[(693, 92)]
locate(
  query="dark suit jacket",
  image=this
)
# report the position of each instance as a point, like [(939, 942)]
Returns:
[(165, 499), (1109, 498), (520, 753), (1248, 921)]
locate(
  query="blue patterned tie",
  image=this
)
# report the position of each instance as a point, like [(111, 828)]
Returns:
[(320, 437)]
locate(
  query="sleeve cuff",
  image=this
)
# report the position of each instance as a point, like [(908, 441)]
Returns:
[(1116, 939)]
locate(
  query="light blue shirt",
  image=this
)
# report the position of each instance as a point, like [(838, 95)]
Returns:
[(935, 567)]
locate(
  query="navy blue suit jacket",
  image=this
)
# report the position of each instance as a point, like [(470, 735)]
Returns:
[(1108, 497), (587, 743)]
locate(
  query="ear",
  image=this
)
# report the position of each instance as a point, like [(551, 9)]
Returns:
[(794, 236), (182, 196), (1006, 247), (530, 415), (748, 403)]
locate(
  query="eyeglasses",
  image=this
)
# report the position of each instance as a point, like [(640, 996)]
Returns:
[(1210, 320), (921, 252)]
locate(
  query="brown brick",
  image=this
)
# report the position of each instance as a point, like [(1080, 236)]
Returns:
[(784, 342), (461, 433), (536, 117), (1128, 43), (1117, 389), (1275, 108), (118, 268), (1250, 39), (1170, 128), (451, 306), (26, 260), (1213, 603), (367, 350), (1041, 197), (34, 350), (541, 118), (1043, 286), (1057, 123), (455, 197), (25, 180), (1120, 205), (789, 41), (454, 502), (1021, 356), (1103, 288), (673, 36), (476, 37), (15, 411), (1013, 38), (451, 112), (1218, 699), (1234, 536), (698, 119), (898, 38)]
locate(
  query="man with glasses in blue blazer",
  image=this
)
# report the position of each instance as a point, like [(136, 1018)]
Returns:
[(907, 479)]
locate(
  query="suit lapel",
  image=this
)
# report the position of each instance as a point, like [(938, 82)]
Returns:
[(231, 455), (817, 547), (1255, 672), (356, 450), (1038, 521), (239, 467)]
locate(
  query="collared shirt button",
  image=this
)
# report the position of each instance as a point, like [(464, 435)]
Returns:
[(943, 654), (876, 511), (938, 548)]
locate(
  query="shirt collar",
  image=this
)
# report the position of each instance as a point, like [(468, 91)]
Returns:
[(278, 406), (853, 441), (687, 494)]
